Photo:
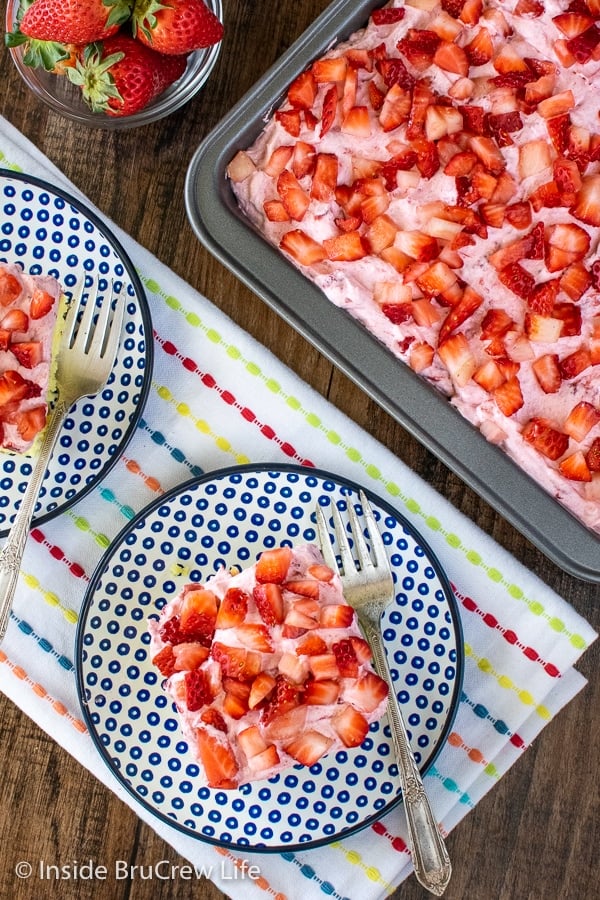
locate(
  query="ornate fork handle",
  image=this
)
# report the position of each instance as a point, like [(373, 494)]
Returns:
[(12, 552), (430, 857)]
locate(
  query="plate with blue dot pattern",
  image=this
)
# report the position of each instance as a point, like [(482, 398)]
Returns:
[(47, 232), (226, 518)]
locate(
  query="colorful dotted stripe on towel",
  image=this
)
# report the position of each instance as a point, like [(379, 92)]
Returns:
[(175, 453), (259, 882), (510, 636), (371, 872), (483, 713), (40, 691), (308, 872), (506, 682), (246, 413)]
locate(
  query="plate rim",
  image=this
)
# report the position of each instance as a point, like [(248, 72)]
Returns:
[(144, 309), (218, 474)]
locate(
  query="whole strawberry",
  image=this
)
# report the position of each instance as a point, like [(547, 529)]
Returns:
[(175, 26), (120, 76), (74, 21)]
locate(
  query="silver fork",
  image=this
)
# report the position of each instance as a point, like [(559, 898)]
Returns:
[(88, 347), (369, 589)]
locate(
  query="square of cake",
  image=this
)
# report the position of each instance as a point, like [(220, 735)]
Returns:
[(28, 314), (267, 667), (437, 175)]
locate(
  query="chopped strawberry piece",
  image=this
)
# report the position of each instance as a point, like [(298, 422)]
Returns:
[(357, 122), (213, 717), (260, 689), (165, 661), (323, 666), (388, 16), (517, 279), (451, 58), (324, 177), (329, 69), (583, 45), (41, 303), (218, 760), (198, 691), (189, 655), (14, 387), (233, 608), (302, 248), (303, 91), (272, 566), (592, 457), (581, 419), (419, 47), (284, 697), (543, 297), (570, 316), (251, 741), (480, 48), (336, 615), (575, 363), (351, 726), (508, 396), (311, 645), (198, 615), (269, 602), (236, 662), (235, 705), (547, 371), (587, 202), (575, 467), (321, 693), (10, 288), (367, 693), (303, 159), (309, 747), (305, 587), (545, 438), (275, 211), (291, 120), (345, 247), (575, 280), (255, 637), (396, 107), (463, 310), (329, 110), (458, 358), (292, 195), (15, 320), (346, 658), (29, 354), (496, 322)]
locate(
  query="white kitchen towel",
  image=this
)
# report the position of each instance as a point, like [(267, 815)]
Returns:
[(521, 640)]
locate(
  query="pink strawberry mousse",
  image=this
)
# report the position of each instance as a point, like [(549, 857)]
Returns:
[(267, 667), (438, 176), (28, 311)]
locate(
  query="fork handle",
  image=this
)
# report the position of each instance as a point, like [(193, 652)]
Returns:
[(430, 858), (12, 552)]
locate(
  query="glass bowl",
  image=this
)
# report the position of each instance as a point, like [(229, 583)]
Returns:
[(65, 98)]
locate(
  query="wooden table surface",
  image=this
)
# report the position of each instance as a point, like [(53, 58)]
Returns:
[(536, 834)]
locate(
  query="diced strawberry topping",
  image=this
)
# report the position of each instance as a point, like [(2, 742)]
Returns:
[(10, 288), (165, 661), (309, 747), (198, 691), (545, 437), (232, 609), (351, 726), (272, 566), (284, 697), (218, 760), (236, 662), (269, 602), (41, 303)]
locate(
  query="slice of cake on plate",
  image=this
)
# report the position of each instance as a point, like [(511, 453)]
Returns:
[(28, 313), (267, 667)]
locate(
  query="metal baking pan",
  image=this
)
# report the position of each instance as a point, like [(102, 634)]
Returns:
[(220, 225)]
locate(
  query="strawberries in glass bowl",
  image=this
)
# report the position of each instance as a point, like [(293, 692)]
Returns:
[(119, 65)]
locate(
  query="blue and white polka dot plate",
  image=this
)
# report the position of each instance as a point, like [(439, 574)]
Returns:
[(227, 518), (48, 232)]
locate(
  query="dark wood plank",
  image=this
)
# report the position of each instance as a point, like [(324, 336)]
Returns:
[(536, 835)]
